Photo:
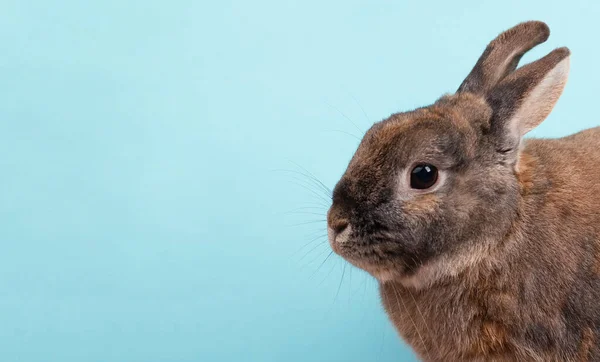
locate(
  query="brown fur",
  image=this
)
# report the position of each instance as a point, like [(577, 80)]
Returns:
[(501, 261)]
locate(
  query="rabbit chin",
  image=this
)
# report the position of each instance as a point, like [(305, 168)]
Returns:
[(443, 267), (449, 266), (383, 275)]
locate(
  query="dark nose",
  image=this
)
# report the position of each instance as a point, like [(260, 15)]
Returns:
[(336, 219), (338, 225), (338, 216)]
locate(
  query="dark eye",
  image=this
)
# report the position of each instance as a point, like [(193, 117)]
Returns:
[(423, 176)]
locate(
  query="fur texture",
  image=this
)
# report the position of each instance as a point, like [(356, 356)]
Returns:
[(500, 260)]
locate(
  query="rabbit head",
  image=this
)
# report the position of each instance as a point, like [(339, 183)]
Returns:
[(429, 192)]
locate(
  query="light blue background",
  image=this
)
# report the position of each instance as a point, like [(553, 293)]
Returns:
[(144, 213)]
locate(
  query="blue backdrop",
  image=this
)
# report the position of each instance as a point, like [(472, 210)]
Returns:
[(156, 199)]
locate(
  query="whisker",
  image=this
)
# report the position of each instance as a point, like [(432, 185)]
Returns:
[(310, 242), (382, 330), (324, 201), (310, 182), (380, 353), (308, 222), (398, 299), (364, 282), (338, 289), (316, 205), (327, 192), (305, 208), (320, 265), (348, 118), (310, 251), (364, 315), (361, 108), (365, 287), (319, 256), (350, 294), (325, 250), (314, 233), (419, 310), (310, 174), (303, 213), (341, 281), (417, 263), (306, 174), (344, 132), (327, 276)]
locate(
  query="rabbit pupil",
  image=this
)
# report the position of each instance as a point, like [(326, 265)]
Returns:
[(423, 176)]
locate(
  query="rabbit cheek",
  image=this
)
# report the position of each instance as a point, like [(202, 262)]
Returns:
[(425, 204)]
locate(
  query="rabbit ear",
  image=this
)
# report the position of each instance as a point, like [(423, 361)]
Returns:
[(522, 100), (502, 56)]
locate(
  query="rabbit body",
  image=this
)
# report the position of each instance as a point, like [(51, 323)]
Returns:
[(486, 244)]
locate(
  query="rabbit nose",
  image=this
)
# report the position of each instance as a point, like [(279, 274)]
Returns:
[(339, 226), (338, 231)]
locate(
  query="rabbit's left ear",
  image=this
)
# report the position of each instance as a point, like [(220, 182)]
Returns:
[(502, 56), (522, 100)]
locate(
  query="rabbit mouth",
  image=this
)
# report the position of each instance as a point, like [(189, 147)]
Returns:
[(381, 258)]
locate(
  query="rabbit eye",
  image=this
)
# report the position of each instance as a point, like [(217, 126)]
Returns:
[(423, 176)]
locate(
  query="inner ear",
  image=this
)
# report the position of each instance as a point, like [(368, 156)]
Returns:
[(538, 103), (527, 96)]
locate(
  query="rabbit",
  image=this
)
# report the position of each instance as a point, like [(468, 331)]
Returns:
[(485, 245)]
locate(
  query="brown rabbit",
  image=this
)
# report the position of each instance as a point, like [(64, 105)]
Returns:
[(486, 245)]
